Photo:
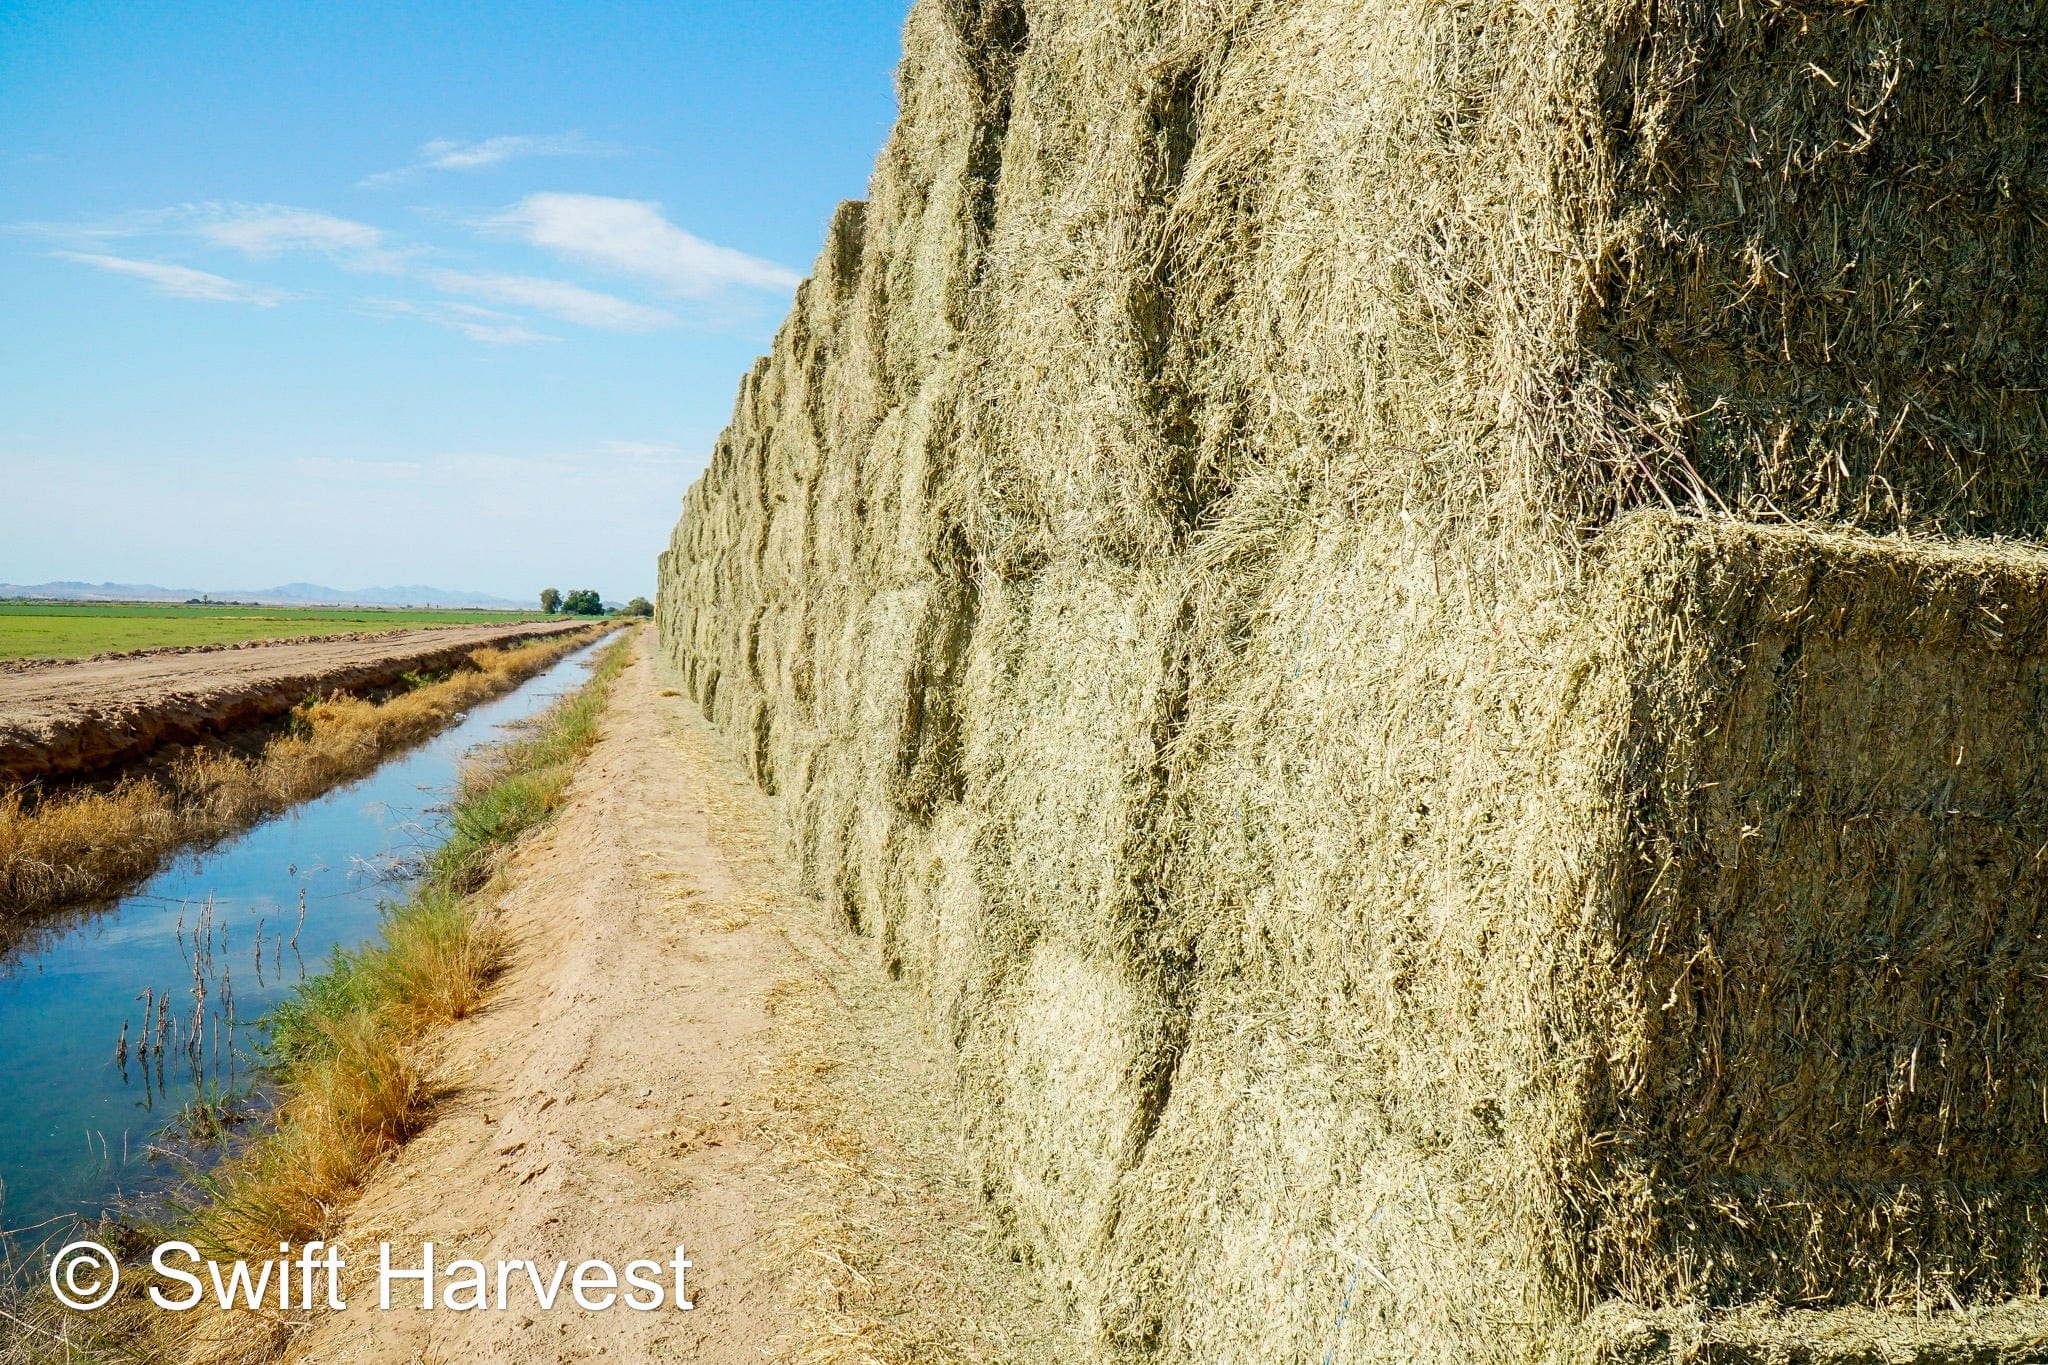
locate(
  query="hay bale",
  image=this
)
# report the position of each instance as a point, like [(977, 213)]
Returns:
[(1835, 909), (1396, 614)]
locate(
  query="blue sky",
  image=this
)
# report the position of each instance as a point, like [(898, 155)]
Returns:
[(450, 293)]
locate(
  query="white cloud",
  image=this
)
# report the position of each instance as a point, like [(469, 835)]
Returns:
[(117, 227), (556, 298), (182, 282), (625, 236), (631, 237), (262, 231), (478, 324), (445, 154), (267, 230)]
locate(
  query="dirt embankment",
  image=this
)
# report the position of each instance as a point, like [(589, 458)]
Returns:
[(64, 718)]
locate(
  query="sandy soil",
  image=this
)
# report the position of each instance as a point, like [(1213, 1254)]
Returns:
[(63, 717), (685, 1052)]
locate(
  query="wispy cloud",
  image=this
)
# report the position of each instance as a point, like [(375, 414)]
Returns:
[(445, 154), (182, 282), (263, 231), (270, 230), (624, 237), (556, 298), (632, 237), (112, 228), (478, 324)]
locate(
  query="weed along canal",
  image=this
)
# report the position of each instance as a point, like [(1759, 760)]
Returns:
[(131, 1030)]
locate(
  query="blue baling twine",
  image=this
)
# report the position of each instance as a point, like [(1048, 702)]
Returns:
[(1337, 1333), (1344, 1309)]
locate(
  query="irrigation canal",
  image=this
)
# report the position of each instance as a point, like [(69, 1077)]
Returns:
[(205, 948)]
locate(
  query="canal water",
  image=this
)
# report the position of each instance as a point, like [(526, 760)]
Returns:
[(205, 948)]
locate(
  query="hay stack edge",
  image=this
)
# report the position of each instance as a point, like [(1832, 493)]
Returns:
[(1420, 627)]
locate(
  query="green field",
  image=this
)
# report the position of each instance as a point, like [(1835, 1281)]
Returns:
[(70, 630)]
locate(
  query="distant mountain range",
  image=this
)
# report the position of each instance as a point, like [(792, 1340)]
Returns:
[(284, 595)]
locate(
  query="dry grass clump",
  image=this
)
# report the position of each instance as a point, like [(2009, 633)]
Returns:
[(1245, 572), (353, 1093), (87, 843)]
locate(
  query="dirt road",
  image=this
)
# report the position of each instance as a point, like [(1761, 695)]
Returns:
[(63, 717), (686, 1052)]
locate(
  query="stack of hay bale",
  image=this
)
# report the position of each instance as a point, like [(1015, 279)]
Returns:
[(1419, 623)]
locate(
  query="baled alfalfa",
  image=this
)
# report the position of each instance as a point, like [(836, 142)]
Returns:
[(1830, 285), (1200, 667), (1669, 954), (1068, 1028), (1387, 819), (1830, 1083), (1623, 1334), (828, 471), (1177, 385)]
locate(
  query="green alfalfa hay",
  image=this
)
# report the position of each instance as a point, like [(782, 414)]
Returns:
[(1298, 304), (1831, 924)]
